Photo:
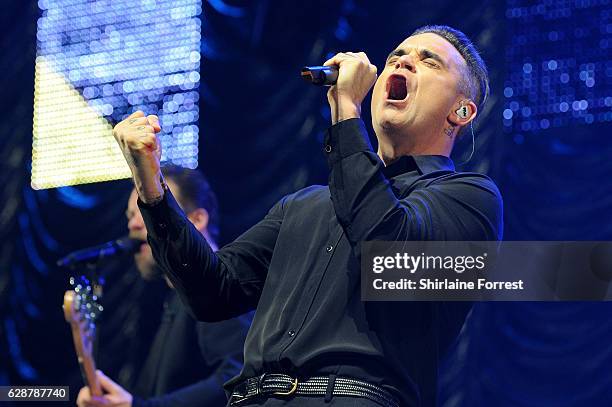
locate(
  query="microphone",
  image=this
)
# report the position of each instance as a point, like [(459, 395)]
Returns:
[(123, 245), (320, 75)]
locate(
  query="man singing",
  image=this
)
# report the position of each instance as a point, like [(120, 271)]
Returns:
[(313, 341)]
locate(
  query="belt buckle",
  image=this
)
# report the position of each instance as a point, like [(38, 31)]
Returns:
[(294, 386)]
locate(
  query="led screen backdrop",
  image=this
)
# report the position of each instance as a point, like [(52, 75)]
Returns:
[(559, 65), (97, 62)]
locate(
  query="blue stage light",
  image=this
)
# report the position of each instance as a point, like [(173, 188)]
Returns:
[(560, 69)]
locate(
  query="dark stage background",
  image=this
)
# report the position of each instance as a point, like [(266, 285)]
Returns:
[(261, 129)]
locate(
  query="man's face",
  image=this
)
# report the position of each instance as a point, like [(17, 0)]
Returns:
[(144, 257), (417, 88)]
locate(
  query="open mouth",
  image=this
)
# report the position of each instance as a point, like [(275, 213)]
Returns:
[(397, 88)]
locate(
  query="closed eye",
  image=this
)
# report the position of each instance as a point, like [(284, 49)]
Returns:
[(431, 63)]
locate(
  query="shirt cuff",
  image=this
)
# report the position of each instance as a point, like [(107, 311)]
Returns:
[(164, 219), (346, 138)]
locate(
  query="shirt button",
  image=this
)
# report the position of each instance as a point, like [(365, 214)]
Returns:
[(162, 225), (185, 265), (291, 333), (329, 248), (328, 148)]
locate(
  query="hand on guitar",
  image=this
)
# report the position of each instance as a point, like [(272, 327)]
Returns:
[(114, 395)]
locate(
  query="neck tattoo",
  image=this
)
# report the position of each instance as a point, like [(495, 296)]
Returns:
[(449, 131)]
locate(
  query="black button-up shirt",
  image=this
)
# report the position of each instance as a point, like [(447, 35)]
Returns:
[(300, 267)]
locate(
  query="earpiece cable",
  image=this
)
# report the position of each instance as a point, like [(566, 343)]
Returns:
[(473, 145)]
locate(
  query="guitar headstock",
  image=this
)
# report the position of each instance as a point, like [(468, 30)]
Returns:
[(81, 310), (81, 305)]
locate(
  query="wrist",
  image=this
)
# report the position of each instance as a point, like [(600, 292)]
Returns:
[(346, 110), (151, 192)]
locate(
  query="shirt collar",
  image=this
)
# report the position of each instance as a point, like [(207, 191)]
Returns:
[(424, 164)]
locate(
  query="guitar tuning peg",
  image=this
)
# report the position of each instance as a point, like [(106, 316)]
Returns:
[(100, 308), (72, 281)]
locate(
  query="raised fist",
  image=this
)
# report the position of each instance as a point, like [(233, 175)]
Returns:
[(141, 148)]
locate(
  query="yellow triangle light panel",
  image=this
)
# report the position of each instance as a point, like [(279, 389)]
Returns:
[(73, 144)]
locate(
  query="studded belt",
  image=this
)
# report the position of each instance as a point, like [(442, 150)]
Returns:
[(282, 385)]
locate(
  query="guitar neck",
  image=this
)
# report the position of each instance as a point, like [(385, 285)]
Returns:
[(86, 363)]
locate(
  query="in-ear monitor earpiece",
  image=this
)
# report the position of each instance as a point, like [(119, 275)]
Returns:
[(462, 112)]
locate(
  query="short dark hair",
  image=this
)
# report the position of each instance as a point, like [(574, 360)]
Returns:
[(476, 84), (195, 192)]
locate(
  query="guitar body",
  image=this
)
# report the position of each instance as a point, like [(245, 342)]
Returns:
[(80, 311)]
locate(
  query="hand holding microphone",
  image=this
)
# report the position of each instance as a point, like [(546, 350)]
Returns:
[(351, 76)]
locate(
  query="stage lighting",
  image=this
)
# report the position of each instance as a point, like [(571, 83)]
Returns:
[(97, 62), (559, 66)]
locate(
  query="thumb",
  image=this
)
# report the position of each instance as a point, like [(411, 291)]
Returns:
[(154, 121), (83, 397), (107, 384)]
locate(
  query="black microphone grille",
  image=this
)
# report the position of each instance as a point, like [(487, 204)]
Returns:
[(128, 245)]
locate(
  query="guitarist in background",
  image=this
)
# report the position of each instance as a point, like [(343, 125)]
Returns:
[(188, 361)]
